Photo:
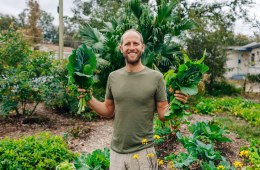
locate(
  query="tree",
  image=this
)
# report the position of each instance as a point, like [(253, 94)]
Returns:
[(49, 32), (33, 29), (6, 21), (157, 29), (215, 32)]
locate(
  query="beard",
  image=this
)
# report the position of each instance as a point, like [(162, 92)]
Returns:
[(132, 62)]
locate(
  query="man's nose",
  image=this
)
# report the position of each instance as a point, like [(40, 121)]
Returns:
[(131, 46)]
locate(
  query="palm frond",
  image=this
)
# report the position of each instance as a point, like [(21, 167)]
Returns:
[(135, 6), (164, 11), (185, 24), (91, 36)]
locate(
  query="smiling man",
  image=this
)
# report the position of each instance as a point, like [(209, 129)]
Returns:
[(133, 94)]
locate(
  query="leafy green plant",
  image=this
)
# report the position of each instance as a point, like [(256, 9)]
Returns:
[(254, 155), (205, 106), (206, 130), (82, 63), (239, 107), (186, 79), (65, 166), (42, 151), (96, 160)]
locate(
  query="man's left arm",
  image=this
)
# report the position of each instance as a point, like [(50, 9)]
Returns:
[(163, 106)]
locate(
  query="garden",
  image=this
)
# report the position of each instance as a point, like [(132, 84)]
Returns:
[(43, 124)]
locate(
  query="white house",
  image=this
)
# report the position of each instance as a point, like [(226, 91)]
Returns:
[(243, 60)]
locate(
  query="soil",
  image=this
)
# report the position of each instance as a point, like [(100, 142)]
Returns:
[(85, 136)]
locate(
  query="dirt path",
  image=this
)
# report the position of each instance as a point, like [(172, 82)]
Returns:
[(87, 136)]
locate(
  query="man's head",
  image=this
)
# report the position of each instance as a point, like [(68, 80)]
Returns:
[(131, 46)]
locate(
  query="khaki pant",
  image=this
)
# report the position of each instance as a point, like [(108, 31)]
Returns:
[(141, 160)]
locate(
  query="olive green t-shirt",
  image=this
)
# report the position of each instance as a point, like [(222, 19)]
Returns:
[(135, 96)]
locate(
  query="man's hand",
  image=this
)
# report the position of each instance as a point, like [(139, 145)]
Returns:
[(181, 96), (84, 91)]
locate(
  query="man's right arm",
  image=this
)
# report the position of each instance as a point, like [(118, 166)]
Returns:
[(104, 109)]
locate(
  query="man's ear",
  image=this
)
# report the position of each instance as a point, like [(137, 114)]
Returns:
[(143, 48), (120, 48)]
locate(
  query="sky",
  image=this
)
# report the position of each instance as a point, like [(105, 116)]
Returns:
[(14, 7)]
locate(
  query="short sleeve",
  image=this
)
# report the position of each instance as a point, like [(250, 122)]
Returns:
[(160, 94), (109, 94)]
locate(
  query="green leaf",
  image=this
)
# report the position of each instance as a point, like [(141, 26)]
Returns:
[(193, 90)]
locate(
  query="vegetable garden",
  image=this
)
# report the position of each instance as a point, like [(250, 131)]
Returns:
[(45, 126)]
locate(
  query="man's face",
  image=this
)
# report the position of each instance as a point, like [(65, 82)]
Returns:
[(132, 47)]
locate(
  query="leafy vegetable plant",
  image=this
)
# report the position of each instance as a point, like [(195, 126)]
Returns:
[(186, 80), (96, 160), (82, 63)]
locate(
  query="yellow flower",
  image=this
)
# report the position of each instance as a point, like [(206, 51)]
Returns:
[(136, 156), (220, 167), (144, 141), (157, 137), (160, 162), (244, 153), (171, 165), (150, 155), (238, 164)]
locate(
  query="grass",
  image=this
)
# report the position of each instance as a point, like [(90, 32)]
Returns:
[(240, 127)]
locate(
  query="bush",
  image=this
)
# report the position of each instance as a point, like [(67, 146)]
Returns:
[(24, 84), (42, 151), (13, 49), (222, 89), (254, 78)]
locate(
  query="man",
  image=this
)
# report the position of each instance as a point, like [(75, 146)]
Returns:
[(133, 94)]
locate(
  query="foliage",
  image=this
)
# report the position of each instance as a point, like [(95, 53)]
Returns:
[(33, 29), (235, 106), (204, 106), (222, 88), (208, 132), (254, 78), (81, 66), (7, 21), (215, 31), (186, 79), (96, 160), (158, 29), (13, 49), (56, 94), (42, 151), (197, 147), (25, 84), (254, 155), (49, 32), (65, 166)]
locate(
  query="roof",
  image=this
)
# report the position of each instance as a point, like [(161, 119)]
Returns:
[(247, 47)]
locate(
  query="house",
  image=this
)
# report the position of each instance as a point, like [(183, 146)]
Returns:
[(243, 60), (55, 48)]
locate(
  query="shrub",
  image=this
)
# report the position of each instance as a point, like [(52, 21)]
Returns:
[(254, 78), (42, 151), (13, 49), (24, 84), (222, 89)]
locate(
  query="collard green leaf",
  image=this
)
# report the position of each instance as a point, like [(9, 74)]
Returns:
[(193, 90)]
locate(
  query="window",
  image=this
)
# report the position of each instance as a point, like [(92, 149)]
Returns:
[(252, 59)]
